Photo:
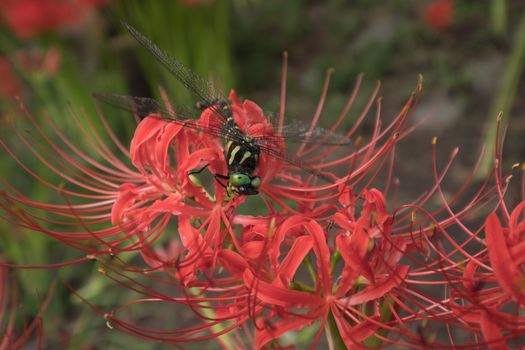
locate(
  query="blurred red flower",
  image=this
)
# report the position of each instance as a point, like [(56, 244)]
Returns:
[(10, 83), (439, 14), (37, 61), (29, 18)]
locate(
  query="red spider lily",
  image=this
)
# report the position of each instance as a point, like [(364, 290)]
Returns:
[(439, 14), (248, 272), (366, 280), (492, 299), (89, 189), (260, 281), (478, 272), (357, 281), (165, 153), (143, 202), (359, 165), (29, 18), (234, 271)]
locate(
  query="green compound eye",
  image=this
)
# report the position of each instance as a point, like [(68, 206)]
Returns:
[(238, 179), (256, 182)]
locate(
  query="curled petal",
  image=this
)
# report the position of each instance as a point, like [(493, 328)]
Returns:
[(380, 289), (126, 197), (352, 250), (301, 246), (281, 296), (511, 279), (353, 336), (233, 262), (492, 333), (517, 226)]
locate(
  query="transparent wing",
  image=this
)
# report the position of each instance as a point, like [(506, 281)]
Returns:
[(299, 132), (144, 106), (201, 88), (296, 132), (294, 161)]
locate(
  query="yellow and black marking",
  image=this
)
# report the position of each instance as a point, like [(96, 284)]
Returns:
[(241, 154)]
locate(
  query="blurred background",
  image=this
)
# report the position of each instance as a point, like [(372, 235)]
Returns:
[(55, 53)]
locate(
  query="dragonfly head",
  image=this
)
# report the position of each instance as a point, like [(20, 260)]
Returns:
[(244, 184)]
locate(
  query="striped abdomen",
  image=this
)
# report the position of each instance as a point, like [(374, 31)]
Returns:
[(241, 156)]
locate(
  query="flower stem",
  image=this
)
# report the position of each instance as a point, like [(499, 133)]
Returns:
[(507, 92), (333, 332), (498, 14)]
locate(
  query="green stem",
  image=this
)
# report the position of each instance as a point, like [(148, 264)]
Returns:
[(503, 101), (310, 268), (498, 13), (334, 333), (208, 312)]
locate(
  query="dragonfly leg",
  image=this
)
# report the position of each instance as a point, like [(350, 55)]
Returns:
[(219, 177), (195, 172)]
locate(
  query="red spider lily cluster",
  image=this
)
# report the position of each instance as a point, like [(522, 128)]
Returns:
[(29, 18), (490, 294), (326, 255)]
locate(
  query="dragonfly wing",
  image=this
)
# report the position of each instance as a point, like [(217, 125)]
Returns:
[(141, 106), (145, 106), (200, 87), (299, 132), (294, 161)]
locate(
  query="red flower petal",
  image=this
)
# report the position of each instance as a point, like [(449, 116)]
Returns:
[(233, 262), (517, 222), (295, 257), (281, 296), (492, 333), (126, 196), (351, 249), (508, 274), (352, 336), (379, 290)]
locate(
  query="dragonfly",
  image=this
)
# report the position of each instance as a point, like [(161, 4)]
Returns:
[(241, 150)]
